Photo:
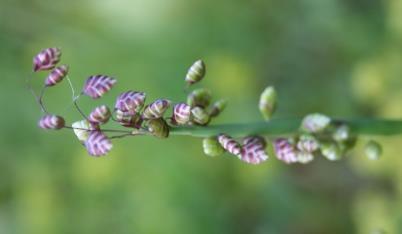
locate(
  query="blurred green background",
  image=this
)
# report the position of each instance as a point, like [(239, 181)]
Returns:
[(339, 57)]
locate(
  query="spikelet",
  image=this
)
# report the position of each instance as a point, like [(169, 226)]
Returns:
[(46, 59), (181, 114), (97, 85), (82, 129), (267, 104), (331, 151), (100, 115), (56, 75), (308, 144), (130, 101), (199, 116), (217, 107), (230, 145), (196, 72), (128, 119), (315, 123), (212, 147), (51, 122), (253, 150), (341, 133), (304, 157), (158, 127), (285, 150), (373, 150), (98, 144), (199, 97), (156, 109)]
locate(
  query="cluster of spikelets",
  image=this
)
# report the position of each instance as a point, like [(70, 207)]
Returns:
[(318, 134)]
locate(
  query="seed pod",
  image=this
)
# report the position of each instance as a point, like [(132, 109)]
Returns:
[(341, 133), (51, 122), (212, 147), (267, 104), (81, 129), (130, 101), (331, 151), (156, 109), (253, 150), (96, 86), (308, 144), (181, 114), (373, 150), (56, 76), (128, 119), (199, 97), (218, 107), (315, 123), (230, 145), (304, 157), (100, 115), (46, 59), (285, 150), (158, 127), (196, 72), (200, 116), (98, 144)]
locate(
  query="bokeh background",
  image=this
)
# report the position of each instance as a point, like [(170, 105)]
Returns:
[(339, 57)]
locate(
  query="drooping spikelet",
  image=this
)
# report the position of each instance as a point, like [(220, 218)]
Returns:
[(130, 101), (100, 115), (156, 109), (98, 144), (331, 151), (315, 123), (97, 85), (373, 150), (307, 143), (196, 72), (158, 127), (82, 129), (46, 59), (199, 97), (230, 145), (181, 114), (199, 116), (285, 150), (56, 75), (128, 118), (51, 122), (267, 104), (253, 150), (212, 147), (217, 107)]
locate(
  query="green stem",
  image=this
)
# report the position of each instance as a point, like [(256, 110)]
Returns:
[(278, 127)]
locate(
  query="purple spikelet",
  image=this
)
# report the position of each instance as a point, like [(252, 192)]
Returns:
[(46, 59), (100, 115), (253, 150), (96, 86), (57, 75), (98, 144), (130, 101), (128, 119), (181, 113), (51, 122), (156, 109), (229, 144), (285, 151)]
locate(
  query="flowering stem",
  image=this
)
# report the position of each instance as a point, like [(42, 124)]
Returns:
[(278, 127)]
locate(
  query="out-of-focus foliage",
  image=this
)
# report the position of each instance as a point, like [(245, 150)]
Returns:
[(338, 57)]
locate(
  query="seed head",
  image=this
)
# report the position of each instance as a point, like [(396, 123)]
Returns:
[(199, 97), (132, 101), (212, 147), (267, 104), (98, 144), (156, 109), (373, 150), (218, 107), (253, 150), (158, 127), (46, 59), (181, 114), (315, 123), (196, 72), (285, 150), (97, 85), (230, 145), (51, 122), (100, 115), (200, 116), (82, 129), (56, 75), (308, 144), (331, 151)]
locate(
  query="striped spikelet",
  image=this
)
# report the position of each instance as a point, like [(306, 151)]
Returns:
[(100, 115), (285, 151), (199, 116), (130, 101), (253, 150), (97, 85), (46, 59), (230, 145), (98, 144), (196, 72), (156, 109), (181, 114), (51, 122), (56, 76)]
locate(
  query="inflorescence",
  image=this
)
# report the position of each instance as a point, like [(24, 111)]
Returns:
[(318, 134)]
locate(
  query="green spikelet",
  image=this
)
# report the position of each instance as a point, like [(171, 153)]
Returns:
[(218, 107), (199, 97), (331, 151), (196, 72), (267, 104), (212, 147), (200, 116), (158, 127), (373, 150)]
